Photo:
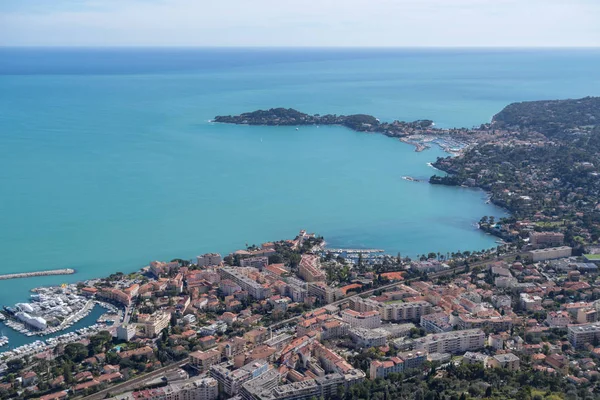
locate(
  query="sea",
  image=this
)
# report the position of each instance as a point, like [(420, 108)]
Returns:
[(109, 158)]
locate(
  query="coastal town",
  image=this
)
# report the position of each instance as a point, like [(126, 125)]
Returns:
[(292, 319)]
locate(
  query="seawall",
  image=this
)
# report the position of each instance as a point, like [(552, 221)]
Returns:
[(66, 271)]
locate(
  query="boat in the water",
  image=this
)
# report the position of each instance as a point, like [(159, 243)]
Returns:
[(3, 341), (410, 179)]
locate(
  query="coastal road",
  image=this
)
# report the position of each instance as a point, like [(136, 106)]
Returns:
[(135, 382)]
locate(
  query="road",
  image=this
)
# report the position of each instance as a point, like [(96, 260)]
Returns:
[(130, 384)]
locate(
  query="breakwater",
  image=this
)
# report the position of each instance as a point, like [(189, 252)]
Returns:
[(66, 271)]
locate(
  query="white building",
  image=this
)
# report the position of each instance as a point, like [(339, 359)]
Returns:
[(501, 301), (369, 337), (231, 379), (451, 342), (580, 335), (198, 389), (254, 289), (367, 319), (126, 332), (209, 259), (436, 322), (158, 321), (530, 302), (549, 254), (255, 262), (393, 311), (505, 281)]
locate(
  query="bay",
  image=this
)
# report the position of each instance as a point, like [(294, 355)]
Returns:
[(108, 159)]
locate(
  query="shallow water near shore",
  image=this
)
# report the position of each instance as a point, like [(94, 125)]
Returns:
[(108, 159)]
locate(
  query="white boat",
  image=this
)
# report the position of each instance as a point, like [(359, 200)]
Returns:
[(3, 341)]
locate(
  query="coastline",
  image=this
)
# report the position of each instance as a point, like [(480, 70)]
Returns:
[(425, 146), (421, 134)]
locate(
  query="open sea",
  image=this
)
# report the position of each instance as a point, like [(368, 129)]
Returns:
[(108, 158)]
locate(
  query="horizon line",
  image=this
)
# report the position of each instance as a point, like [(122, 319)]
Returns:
[(293, 47)]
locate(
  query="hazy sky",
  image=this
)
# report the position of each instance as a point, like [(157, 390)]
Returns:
[(510, 23)]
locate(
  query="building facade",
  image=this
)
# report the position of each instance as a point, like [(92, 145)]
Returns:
[(451, 342)]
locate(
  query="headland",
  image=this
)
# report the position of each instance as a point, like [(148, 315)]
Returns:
[(420, 133)]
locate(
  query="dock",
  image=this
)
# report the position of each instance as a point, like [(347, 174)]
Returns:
[(66, 271), (355, 251)]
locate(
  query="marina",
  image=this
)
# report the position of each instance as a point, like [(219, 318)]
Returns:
[(40, 346), (355, 251), (50, 310), (20, 341), (355, 256)]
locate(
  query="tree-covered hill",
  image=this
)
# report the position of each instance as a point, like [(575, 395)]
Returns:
[(558, 119)]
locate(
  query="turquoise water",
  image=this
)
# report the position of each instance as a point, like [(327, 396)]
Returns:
[(108, 159)]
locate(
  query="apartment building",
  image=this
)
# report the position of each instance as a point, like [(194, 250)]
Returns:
[(323, 292), (209, 259), (231, 379), (310, 269), (392, 311), (495, 323), (404, 311), (203, 360), (126, 332), (364, 337), (451, 342), (114, 295), (365, 319), (255, 262), (551, 253), (254, 289), (582, 334), (546, 239), (436, 322), (398, 364), (559, 319), (506, 361), (158, 321), (530, 302)]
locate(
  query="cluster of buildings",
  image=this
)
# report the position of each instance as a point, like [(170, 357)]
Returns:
[(243, 330)]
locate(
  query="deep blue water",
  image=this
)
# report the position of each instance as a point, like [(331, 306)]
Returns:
[(108, 161)]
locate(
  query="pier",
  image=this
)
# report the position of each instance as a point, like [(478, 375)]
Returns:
[(66, 271), (355, 251)]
